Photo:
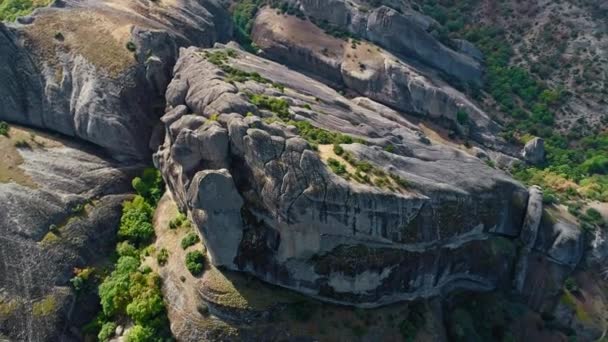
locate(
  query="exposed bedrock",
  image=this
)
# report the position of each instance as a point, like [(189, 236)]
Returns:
[(99, 72), (266, 203), (405, 34), (61, 213), (371, 71)]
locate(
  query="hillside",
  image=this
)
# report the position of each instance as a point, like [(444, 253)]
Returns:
[(303, 170)]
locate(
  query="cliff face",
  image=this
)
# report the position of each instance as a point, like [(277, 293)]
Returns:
[(365, 68), (390, 189), (267, 203), (60, 211), (404, 34), (59, 77)]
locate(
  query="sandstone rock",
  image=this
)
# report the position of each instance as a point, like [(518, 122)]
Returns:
[(72, 87), (371, 71), (534, 151), (66, 218), (275, 210), (398, 33)]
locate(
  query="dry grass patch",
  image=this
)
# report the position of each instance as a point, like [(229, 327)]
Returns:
[(10, 170), (98, 37)]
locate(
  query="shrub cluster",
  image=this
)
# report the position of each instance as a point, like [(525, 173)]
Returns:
[(132, 290), (190, 240), (195, 262)]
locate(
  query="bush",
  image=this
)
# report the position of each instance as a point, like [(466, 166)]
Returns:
[(131, 46), (114, 291), (139, 333), (10, 10), (278, 106), (177, 221), (462, 117), (594, 216), (194, 262), (4, 128), (126, 249), (190, 240), (149, 185), (107, 331), (162, 257), (136, 221), (338, 150), (337, 167)]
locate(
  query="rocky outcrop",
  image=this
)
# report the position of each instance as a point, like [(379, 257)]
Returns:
[(65, 216), (57, 76), (268, 204), (534, 151), (371, 71), (404, 34)]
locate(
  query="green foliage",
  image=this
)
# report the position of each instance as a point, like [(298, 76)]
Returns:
[(337, 167), (131, 46), (4, 128), (132, 290), (338, 150), (140, 333), (190, 240), (597, 164), (10, 10), (80, 281), (149, 185), (462, 117), (114, 291), (179, 221), (413, 322), (146, 304), (195, 262), (162, 257), (242, 16), (107, 331), (570, 284), (125, 248), (136, 221), (321, 136), (278, 106)]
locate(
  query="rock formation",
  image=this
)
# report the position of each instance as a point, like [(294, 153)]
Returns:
[(534, 151), (368, 70), (53, 65), (403, 34), (266, 203), (62, 212)]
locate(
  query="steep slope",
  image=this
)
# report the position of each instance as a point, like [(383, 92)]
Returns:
[(60, 211), (400, 217), (91, 69)]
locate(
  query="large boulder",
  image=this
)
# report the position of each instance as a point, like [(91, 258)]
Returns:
[(432, 219), (534, 151)]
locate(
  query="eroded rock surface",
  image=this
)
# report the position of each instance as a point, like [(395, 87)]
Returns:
[(64, 216), (95, 71), (369, 70), (289, 220), (404, 34)]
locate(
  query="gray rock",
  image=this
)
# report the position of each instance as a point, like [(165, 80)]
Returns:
[(43, 237), (534, 151), (91, 92), (398, 33), (278, 212)]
